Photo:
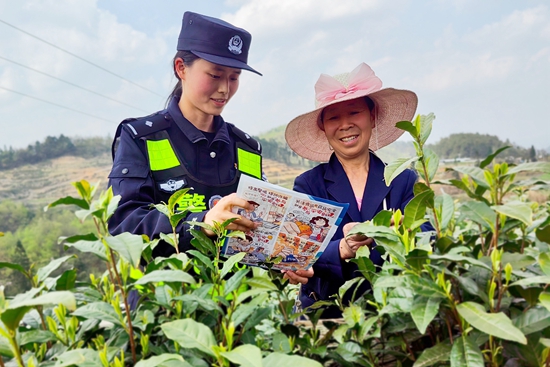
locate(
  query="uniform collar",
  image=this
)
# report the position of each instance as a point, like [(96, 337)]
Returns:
[(191, 132), (339, 187)]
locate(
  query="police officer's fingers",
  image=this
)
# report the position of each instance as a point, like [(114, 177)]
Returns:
[(233, 200)]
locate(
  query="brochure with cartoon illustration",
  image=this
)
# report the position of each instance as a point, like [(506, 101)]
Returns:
[(294, 227)]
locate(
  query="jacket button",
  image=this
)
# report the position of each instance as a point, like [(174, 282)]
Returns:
[(124, 171), (213, 154)]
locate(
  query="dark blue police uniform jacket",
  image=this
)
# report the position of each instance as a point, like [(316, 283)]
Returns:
[(329, 181), (130, 177)]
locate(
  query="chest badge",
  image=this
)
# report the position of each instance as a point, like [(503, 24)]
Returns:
[(172, 185)]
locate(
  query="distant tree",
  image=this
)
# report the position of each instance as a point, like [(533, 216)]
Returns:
[(532, 154), (13, 216), (469, 145), (18, 282)]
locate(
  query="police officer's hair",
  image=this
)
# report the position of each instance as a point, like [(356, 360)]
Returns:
[(188, 59)]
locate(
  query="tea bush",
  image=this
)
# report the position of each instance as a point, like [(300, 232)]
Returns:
[(472, 293)]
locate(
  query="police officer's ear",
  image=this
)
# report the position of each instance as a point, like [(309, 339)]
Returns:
[(179, 67)]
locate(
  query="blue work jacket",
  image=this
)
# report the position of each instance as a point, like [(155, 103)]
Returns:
[(209, 158)]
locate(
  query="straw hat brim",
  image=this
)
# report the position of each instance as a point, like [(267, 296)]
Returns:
[(306, 139)]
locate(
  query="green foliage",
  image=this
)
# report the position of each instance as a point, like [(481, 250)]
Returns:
[(53, 147), (470, 293), (477, 146)]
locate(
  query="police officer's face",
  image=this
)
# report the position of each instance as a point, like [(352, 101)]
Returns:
[(207, 87)]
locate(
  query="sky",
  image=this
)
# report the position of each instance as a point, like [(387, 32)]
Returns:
[(479, 66)]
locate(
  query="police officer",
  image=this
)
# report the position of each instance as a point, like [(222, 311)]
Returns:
[(188, 145)]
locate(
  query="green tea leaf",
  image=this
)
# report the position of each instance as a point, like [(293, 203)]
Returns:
[(190, 334), (533, 320), (461, 258), (407, 126), (69, 200), (543, 234), (544, 299), (426, 122), (517, 210), (475, 173), (99, 311), (79, 357), (496, 324), (465, 353), (261, 283), (45, 272), (17, 267), (424, 310), (416, 208), (480, 213), (176, 197), (395, 168), (53, 298), (36, 336), (445, 208), (128, 246), (279, 359), (246, 355), (234, 282), (490, 158), (530, 166), (157, 360), (229, 263), (440, 352), (166, 276), (543, 279), (431, 160)]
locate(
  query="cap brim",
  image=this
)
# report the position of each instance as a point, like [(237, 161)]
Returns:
[(224, 61)]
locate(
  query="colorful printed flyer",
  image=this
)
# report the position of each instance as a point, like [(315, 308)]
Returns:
[(294, 227)]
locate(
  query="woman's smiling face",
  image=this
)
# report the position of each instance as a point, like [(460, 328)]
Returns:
[(207, 87), (348, 126)]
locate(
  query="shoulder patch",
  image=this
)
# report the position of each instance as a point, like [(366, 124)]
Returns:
[(245, 138), (148, 125)]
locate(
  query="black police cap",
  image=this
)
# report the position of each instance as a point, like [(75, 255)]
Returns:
[(214, 40)]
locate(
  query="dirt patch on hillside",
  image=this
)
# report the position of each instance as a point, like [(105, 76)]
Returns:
[(41, 184)]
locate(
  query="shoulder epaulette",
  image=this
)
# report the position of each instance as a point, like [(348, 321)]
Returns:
[(147, 125), (250, 141)]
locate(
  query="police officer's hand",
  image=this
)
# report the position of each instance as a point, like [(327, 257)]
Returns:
[(350, 244), (298, 276), (222, 211)]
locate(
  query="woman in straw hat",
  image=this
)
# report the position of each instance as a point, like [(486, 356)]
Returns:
[(353, 117)]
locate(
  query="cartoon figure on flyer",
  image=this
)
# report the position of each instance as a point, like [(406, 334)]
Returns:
[(295, 227), (254, 215), (258, 255), (241, 244), (285, 248), (318, 225)]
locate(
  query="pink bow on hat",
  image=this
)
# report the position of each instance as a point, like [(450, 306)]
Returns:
[(361, 79)]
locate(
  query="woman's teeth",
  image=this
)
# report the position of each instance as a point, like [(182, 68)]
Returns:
[(349, 138)]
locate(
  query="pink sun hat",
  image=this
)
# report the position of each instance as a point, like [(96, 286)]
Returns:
[(304, 136)]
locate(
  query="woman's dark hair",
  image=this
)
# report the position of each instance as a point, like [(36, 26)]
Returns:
[(188, 59), (368, 101)]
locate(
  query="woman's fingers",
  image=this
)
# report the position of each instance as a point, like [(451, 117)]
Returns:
[(298, 276)]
